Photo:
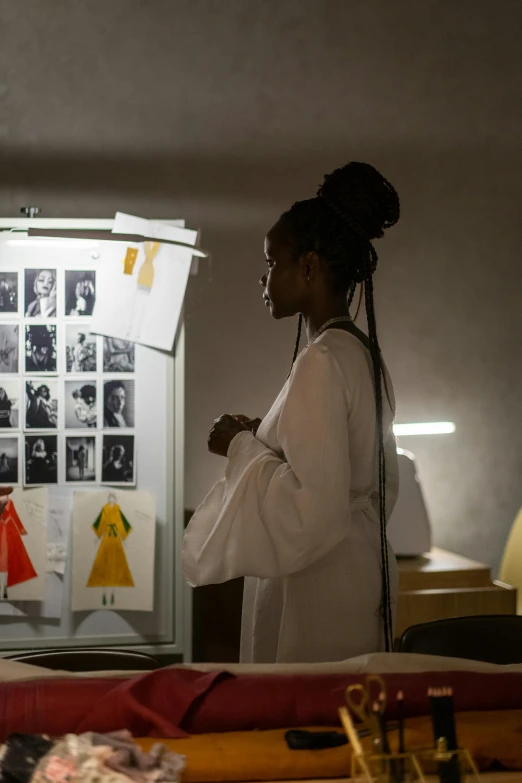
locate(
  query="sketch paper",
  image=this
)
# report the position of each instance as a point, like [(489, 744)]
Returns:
[(127, 310), (23, 546), (59, 515), (113, 551)]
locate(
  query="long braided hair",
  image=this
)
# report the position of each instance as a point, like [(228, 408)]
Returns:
[(353, 206)]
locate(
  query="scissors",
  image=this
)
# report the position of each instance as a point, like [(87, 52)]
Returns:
[(361, 698)]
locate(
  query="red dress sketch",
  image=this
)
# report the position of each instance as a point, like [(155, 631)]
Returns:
[(14, 559)]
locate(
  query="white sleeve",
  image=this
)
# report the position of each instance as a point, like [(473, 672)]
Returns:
[(271, 517)]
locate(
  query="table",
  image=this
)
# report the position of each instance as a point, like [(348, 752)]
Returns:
[(485, 777), (443, 584)]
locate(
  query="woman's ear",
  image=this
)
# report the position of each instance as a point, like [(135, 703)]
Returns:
[(310, 265)]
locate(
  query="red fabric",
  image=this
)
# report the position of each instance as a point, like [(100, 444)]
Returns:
[(169, 703), (19, 566)]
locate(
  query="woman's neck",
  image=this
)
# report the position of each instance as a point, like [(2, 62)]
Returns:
[(317, 316)]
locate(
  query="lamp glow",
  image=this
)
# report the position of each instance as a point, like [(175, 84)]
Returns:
[(424, 428)]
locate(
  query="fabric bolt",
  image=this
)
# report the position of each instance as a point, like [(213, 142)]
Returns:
[(263, 755), (298, 513), (174, 703)]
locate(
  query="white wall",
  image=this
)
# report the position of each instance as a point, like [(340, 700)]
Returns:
[(226, 111)]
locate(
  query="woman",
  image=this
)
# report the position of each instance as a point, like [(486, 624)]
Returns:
[(114, 469), (44, 287), (81, 302), (5, 409), (40, 414), (85, 405), (4, 463), (39, 466), (82, 356), (113, 404), (118, 355), (302, 509), (40, 349)]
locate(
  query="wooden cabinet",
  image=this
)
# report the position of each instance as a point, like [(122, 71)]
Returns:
[(442, 584)]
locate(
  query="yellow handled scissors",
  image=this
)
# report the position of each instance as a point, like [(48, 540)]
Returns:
[(361, 698)]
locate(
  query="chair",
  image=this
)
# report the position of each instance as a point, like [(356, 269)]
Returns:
[(86, 660), (511, 566), (488, 638)]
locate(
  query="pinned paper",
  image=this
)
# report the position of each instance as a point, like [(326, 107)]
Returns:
[(56, 559), (130, 259), (146, 273), (145, 306)]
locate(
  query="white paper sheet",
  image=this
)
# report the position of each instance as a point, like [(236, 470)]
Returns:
[(127, 311), (113, 565), (59, 513), (25, 517)]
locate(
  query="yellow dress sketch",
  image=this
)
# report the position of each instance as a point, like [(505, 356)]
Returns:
[(110, 567)]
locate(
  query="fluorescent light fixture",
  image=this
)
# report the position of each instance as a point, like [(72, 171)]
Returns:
[(426, 428)]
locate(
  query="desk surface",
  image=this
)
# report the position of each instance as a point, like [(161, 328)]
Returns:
[(485, 777), (440, 569), (442, 584)]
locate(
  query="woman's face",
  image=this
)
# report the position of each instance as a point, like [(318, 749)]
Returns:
[(44, 283), (118, 453), (116, 400), (284, 282), (3, 394)]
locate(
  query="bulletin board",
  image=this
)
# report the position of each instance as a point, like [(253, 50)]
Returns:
[(153, 434)]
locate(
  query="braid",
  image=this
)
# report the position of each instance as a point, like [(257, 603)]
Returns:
[(378, 373), (354, 205), (297, 341)]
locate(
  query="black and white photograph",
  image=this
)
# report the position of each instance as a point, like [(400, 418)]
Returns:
[(118, 355), (41, 460), (9, 461), (40, 293), (80, 405), (41, 404), (10, 394), (80, 292), (41, 353), (80, 349), (9, 348), (8, 292), (118, 461), (80, 459), (118, 403)]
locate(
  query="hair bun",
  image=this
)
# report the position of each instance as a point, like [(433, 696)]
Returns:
[(362, 198)]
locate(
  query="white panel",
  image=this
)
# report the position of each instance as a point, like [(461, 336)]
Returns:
[(159, 454)]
